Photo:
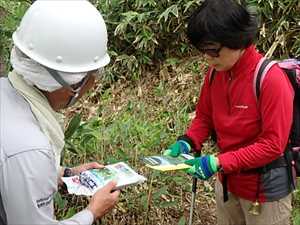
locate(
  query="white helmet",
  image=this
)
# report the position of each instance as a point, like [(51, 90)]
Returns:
[(64, 35)]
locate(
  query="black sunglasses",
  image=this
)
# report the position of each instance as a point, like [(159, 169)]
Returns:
[(212, 52)]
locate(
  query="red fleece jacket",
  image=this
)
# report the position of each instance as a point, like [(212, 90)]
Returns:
[(250, 134)]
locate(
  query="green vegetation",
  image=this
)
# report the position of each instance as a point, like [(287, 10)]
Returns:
[(147, 98), (145, 33), (135, 121), (10, 14)]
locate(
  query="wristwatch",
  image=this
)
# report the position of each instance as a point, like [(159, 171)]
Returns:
[(67, 172)]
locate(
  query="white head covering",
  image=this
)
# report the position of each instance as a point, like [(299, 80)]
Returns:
[(36, 75)]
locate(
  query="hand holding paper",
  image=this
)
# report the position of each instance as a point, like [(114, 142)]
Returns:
[(167, 163), (179, 147), (203, 167), (90, 181)]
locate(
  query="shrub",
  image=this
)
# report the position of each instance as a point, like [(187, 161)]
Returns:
[(144, 33)]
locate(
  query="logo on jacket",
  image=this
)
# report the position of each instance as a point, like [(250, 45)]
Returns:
[(241, 106)]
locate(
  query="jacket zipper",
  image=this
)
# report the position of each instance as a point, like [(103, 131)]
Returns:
[(227, 94)]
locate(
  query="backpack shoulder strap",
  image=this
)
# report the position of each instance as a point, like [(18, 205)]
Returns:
[(261, 70)]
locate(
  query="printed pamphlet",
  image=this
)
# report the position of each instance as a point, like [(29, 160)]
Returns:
[(167, 163), (88, 182)]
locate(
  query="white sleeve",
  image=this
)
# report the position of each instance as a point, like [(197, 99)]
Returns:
[(28, 187)]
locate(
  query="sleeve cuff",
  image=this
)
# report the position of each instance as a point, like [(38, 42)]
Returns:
[(85, 217), (227, 162), (188, 140)]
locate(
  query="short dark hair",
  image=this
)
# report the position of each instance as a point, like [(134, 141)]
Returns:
[(223, 21)]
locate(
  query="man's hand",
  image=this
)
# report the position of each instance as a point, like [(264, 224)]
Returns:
[(203, 167), (78, 169), (178, 148), (104, 200), (87, 166)]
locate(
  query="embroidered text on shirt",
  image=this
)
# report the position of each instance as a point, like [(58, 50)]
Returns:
[(241, 106), (44, 201)]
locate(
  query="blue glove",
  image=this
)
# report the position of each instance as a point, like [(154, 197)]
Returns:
[(202, 167), (178, 148)]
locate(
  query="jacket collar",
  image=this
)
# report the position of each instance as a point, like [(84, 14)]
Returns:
[(247, 62)]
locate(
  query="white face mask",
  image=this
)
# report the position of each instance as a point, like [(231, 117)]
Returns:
[(35, 74)]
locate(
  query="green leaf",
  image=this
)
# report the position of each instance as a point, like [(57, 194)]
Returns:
[(173, 9), (296, 219), (168, 204), (73, 125), (189, 4), (144, 200), (172, 61), (59, 201), (160, 192), (182, 221), (123, 155), (71, 212), (70, 147)]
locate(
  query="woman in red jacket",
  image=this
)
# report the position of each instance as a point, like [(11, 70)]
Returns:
[(250, 133)]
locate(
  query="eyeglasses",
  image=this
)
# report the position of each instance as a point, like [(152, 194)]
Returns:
[(76, 91), (212, 52)]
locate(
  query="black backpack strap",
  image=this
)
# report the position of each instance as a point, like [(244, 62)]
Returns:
[(225, 188), (288, 156), (262, 69), (211, 78), (260, 72)]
